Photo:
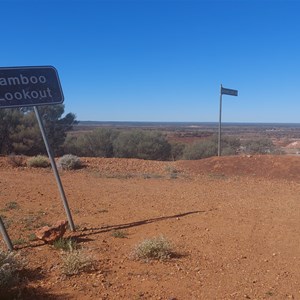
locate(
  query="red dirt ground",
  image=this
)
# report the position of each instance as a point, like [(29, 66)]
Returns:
[(234, 223)]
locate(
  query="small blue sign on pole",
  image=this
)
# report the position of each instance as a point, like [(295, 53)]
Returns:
[(229, 92), (29, 86), (223, 91)]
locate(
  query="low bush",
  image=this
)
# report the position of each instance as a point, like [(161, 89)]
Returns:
[(69, 162), (74, 145), (76, 261), (150, 145), (119, 234), (258, 146), (9, 265), (65, 244), (104, 142), (199, 150), (209, 148), (177, 150), (39, 161), (158, 248), (98, 143), (16, 160)]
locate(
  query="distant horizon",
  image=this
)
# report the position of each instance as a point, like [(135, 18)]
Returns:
[(189, 122)]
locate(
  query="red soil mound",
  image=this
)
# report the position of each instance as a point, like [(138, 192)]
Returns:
[(267, 166)]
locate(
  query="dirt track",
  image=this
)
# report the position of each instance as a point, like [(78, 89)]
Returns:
[(234, 223)]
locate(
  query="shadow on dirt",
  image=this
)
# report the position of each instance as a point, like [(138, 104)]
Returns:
[(82, 235), (30, 293), (22, 291), (93, 231)]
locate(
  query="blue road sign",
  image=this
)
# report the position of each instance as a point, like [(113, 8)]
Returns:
[(29, 86), (230, 92)]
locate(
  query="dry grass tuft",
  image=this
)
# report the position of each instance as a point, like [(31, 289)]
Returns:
[(65, 244), (38, 161), (9, 265), (158, 248), (70, 162), (75, 262)]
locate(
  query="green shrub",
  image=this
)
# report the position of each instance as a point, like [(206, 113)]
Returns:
[(258, 146), (104, 142), (156, 248), (199, 150), (65, 244), (69, 162), (73, 145), (38, 161), (177, 150), (209, 148), (98, 143), (142, 144), (119, 234)]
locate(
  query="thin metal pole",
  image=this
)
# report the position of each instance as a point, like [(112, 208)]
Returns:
[(220, 121), (5, 236), (54, 168)]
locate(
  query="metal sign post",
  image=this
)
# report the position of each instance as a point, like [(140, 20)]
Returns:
[(54, 168), (5, 236), (229, 92), (33, 86), (220, 122)]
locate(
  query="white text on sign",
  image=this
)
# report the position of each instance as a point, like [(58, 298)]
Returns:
[(24, 94)]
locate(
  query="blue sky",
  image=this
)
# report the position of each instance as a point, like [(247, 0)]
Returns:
[(162, 60)]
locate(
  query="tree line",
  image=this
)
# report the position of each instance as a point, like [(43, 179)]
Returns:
[(20, 134), (154, 145)]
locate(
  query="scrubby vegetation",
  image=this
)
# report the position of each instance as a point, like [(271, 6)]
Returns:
[(38, 161), (16, 160), (153, 145), (209, 147), (98, 143), (75, 261), (142, 144), (9, 265), (20, 134), (69, 162), (119, 234), (155, 248), (102, 142), (177, 150), (65, 244), (259, 146)]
